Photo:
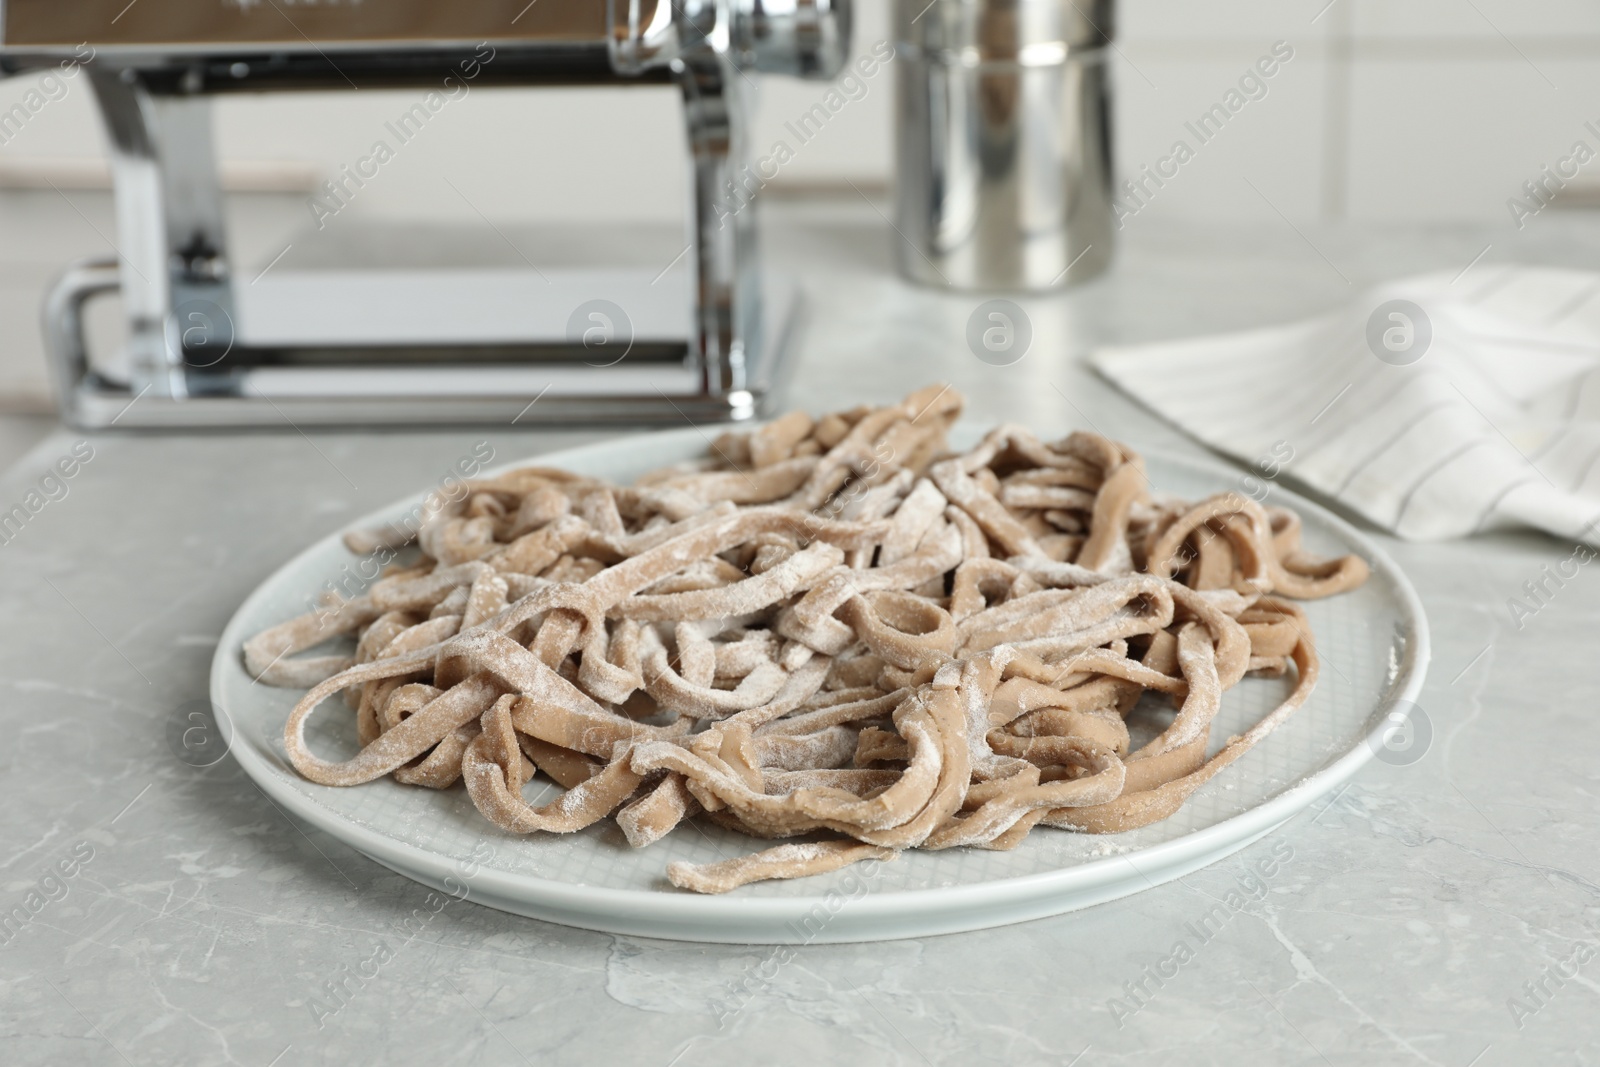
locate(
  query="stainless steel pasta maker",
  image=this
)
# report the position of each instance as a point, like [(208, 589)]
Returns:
[(207, 347)]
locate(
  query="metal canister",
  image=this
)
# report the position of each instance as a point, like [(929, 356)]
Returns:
[(1003, 146)]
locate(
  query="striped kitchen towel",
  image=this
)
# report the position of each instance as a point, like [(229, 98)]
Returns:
[(1434, 407)]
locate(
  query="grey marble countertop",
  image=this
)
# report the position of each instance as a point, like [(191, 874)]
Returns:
[(1420, 906)]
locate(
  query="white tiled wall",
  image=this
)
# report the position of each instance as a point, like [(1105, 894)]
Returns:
[(1480, 20), (1391, 109)]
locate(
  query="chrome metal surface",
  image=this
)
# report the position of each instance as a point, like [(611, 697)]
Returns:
[(806, 38), (175, 277), (169, 221), (63, 323), (691, 40), (292, 387), (701, 42), (1003, 152)]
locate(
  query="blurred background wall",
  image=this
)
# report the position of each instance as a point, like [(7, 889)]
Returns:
[(1389, 112)]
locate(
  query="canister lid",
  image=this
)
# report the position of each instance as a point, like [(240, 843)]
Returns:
[(1030, 32)]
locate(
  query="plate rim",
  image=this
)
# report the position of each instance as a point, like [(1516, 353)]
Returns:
[(898, 906)]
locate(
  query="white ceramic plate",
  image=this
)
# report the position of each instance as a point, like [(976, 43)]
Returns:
[(1374, 648)]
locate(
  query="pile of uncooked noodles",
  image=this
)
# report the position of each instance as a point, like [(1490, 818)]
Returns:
[(828, 628)]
